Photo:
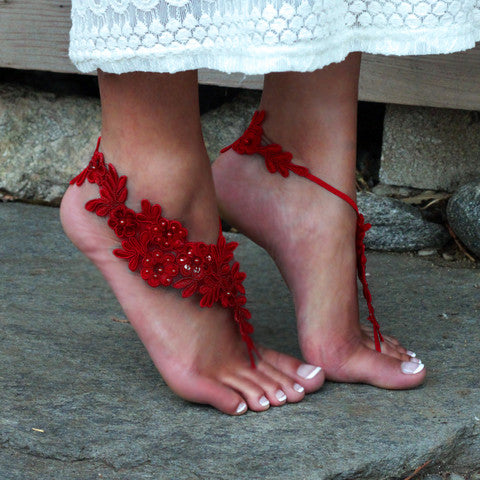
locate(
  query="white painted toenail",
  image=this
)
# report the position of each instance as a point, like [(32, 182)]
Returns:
[(415, 360), (281, 397), (307, 371), (411, 354), (412, 368), (298, 388), (264, 401), (242, 406)]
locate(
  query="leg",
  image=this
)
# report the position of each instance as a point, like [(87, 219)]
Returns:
[(313, 115), (151, 133)]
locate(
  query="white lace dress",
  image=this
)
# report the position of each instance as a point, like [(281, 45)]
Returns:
[(260, 36)]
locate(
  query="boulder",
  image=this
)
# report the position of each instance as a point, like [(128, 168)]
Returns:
[(397, 226)]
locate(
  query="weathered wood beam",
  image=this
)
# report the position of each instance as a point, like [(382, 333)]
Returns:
[(34, 36)]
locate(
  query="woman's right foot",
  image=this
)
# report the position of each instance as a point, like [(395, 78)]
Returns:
[(198, 351)]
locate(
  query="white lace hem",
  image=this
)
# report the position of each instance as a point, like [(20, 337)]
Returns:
[(276, 58), (260, 36)]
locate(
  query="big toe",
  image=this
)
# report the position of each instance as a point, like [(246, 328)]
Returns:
[(381, 370), (310, 377)]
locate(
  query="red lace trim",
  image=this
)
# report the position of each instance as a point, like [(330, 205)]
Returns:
[(278, 160), (158, 248)]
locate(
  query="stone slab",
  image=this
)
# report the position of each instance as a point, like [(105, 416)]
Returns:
[(430, 148), (70, 370)]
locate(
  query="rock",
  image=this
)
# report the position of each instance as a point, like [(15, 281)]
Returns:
[(426, 252), (45, 140), (398, 227), (225, 124), (463, 214), (430, 148), (455, 476)]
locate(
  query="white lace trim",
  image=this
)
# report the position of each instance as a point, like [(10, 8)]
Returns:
[(260, 36)]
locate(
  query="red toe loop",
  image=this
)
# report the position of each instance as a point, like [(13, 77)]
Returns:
[(159, 250), (278, 160)]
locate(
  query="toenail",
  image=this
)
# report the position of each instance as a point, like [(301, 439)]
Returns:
[(307, 371), (281, 397), (412, 368), (242, 406), (411, 354), (415, 360), (264, 401), (298, 388)]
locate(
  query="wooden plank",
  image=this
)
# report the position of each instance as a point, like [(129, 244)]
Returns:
[(449, 81), (34, 36)]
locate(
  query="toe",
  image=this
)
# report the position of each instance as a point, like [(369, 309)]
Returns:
[(254, 395), (388, 348), (393, 351), (368, 329), (385, 371), (212, 392), (288, 389), (310, 377), (275, 390)]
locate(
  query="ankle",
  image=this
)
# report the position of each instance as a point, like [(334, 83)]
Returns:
[(182, 184)]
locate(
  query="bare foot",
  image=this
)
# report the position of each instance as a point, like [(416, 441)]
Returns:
[(198, 351), (310, 234)]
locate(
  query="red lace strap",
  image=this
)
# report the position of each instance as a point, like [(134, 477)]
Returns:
[(159, 249), (278, 160)]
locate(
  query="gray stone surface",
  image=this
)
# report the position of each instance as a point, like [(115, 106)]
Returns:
[(85, 380), (463, 214), (430, 148), (45, 139), (397, 226), (225, 124)]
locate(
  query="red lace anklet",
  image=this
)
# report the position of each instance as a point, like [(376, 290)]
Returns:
[(278, 160), (159, 248)]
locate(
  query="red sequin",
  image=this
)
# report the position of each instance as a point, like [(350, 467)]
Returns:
[(158, 248), (278, 160)]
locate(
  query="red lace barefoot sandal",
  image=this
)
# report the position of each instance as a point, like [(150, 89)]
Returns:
[(278, 160), (159, 249)]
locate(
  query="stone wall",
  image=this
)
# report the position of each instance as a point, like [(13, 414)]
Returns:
[(47, 136)]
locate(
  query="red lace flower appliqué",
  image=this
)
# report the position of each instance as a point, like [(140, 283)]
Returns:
[(123, 221), (278, 160), (94, 171), (158, 248), (250, 141)]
